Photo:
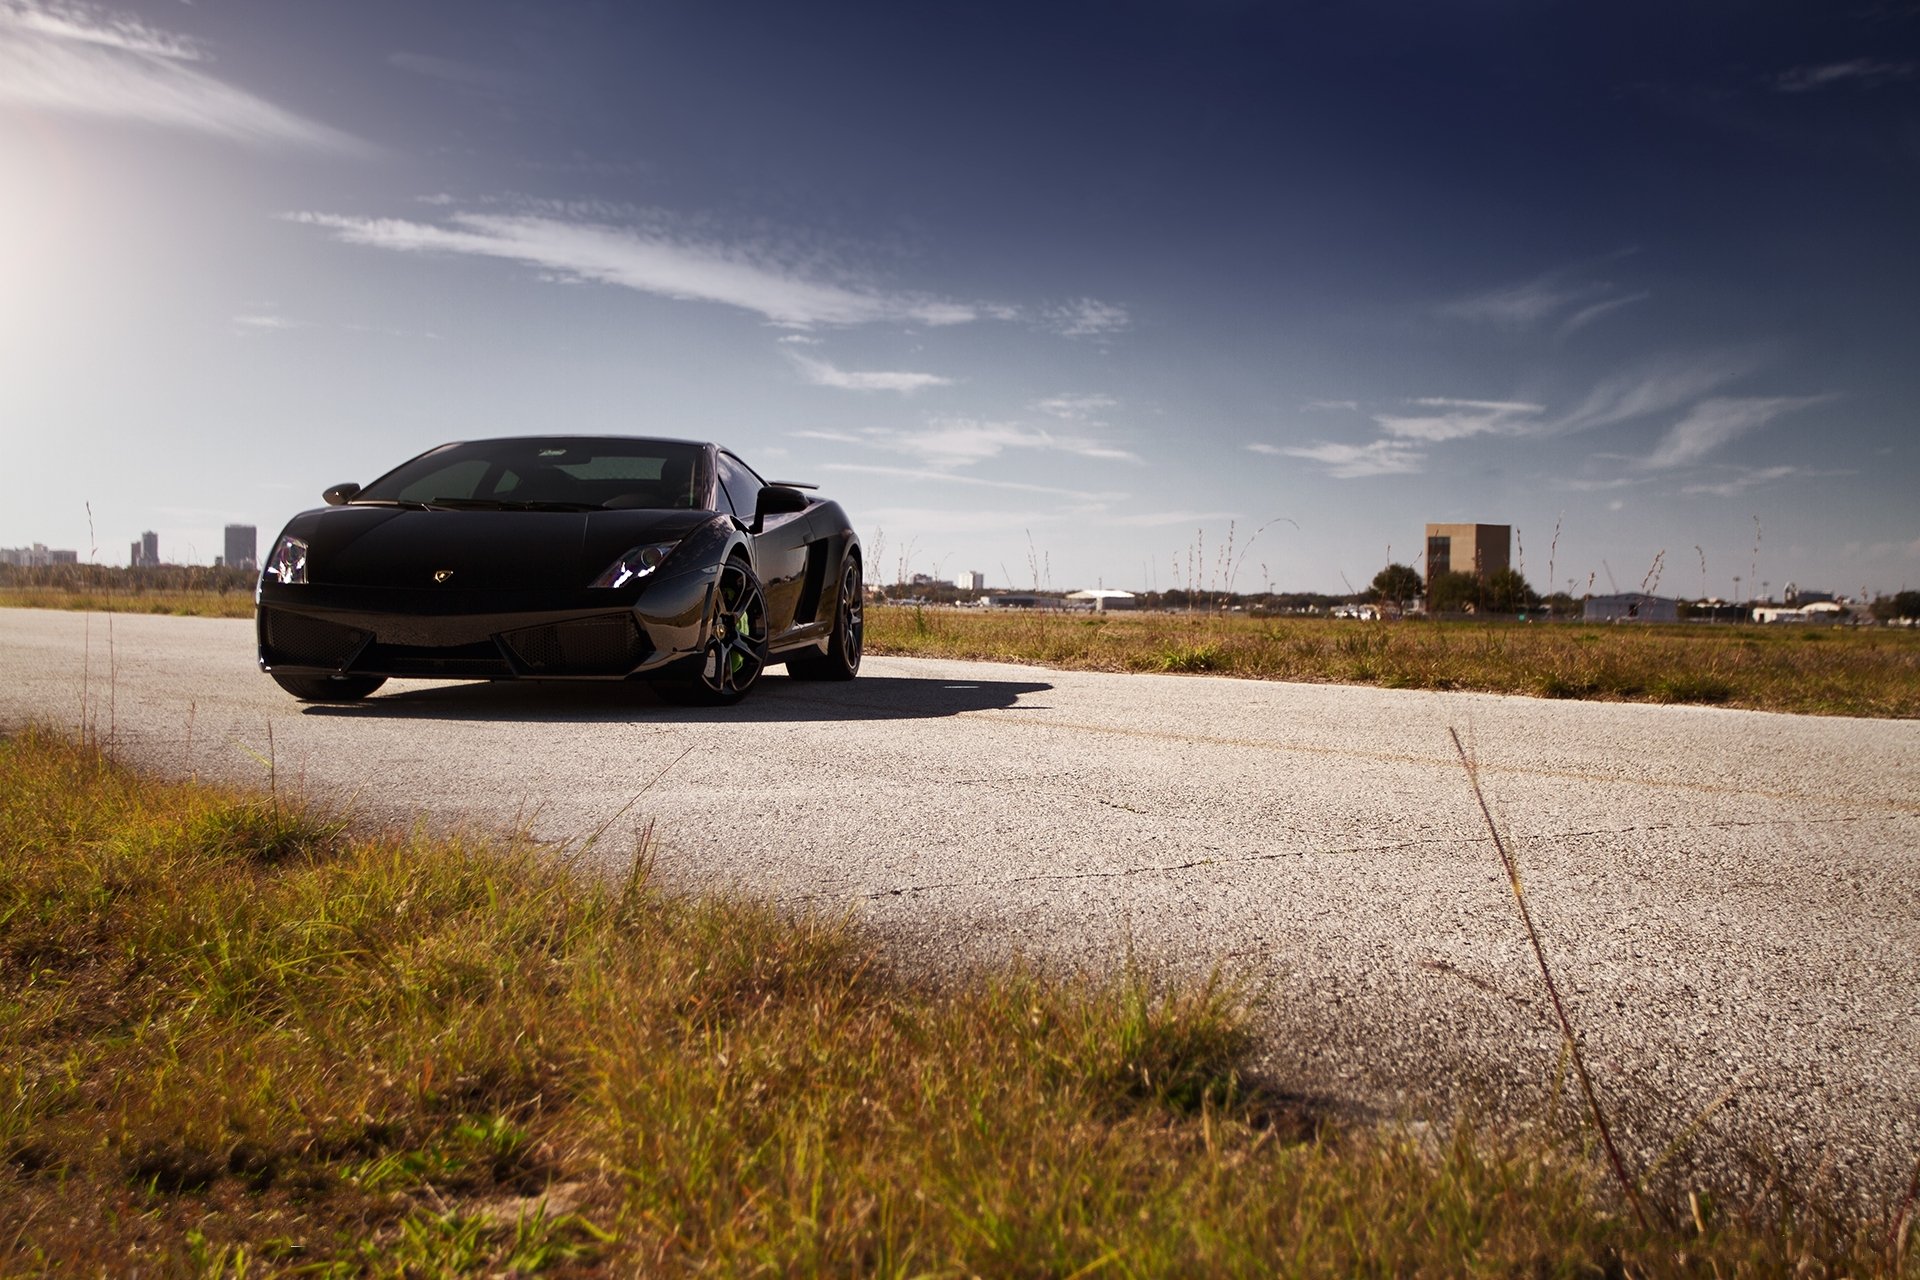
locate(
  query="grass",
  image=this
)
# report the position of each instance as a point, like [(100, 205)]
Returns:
[(238, 1037), (182, 603), (1869, 671)]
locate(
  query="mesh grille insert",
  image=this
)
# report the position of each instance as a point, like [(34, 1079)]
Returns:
[(297, 640), (604, 646)]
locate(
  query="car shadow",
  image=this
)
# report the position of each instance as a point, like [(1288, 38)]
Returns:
[(776, 699)]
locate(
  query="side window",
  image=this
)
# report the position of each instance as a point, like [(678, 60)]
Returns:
[(741, 486)]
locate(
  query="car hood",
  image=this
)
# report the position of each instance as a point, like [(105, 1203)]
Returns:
[(486, 550)]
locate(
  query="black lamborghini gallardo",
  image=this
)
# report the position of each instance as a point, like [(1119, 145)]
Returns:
[(562, 558)]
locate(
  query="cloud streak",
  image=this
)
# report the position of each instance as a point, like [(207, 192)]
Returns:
[(823, 374), (949, 477), (652, 258), (1353, 461), (1566, 294), (81, 61), (1460, 419), (1868, 73), (1718, 421), (1086, 318), (962, 442)]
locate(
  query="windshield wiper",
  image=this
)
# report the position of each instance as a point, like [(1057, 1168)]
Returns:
[(405, 504)]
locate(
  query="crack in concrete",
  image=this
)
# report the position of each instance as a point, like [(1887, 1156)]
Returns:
[(1116, 873)]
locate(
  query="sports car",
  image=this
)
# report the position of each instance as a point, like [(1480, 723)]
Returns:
[(563, 558)]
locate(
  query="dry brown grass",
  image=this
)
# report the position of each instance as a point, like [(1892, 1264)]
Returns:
[(236, 1037), (1869, 671)]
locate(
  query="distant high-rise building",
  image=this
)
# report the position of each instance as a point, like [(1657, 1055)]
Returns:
[(1478, 549), (37, 556), (243, 546), (146, 552), (971, 580)]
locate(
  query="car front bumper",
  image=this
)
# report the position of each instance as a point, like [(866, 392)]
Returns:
[(436, 633)]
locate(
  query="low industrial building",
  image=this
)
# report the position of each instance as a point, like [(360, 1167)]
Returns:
[(1820, 613), (1101, 601), (1631, 606)]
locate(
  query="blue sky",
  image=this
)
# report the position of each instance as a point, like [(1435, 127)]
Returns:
[(1074, 291)]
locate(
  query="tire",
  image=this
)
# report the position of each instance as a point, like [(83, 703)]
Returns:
[(329, 688), (736, 648), (841, 661)]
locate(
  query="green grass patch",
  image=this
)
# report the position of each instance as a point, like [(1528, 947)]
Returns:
[(236, 1037), (1868, 671)]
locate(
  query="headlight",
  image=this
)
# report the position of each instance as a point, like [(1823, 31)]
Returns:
[(636, 563), (288, 563)]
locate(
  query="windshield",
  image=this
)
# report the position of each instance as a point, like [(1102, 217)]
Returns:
[(548, 474)]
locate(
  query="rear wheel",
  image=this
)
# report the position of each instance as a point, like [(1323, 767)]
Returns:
[(736, 651), (329, 688), (841, 661)]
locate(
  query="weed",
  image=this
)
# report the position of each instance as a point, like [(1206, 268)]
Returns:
[(1866, 672), (235, 1039)]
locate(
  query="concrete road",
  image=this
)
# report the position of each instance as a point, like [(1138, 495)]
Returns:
[(1731, 899)]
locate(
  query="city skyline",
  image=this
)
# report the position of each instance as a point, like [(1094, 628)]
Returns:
[(1072, 291)]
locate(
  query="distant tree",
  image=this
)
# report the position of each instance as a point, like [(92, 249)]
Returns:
[(1397, 584), (1505, 591), (1452, 592), (1905, 604), (1560, 604)]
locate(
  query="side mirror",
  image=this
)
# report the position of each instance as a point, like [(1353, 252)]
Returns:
[(777, 500), (340, 494)]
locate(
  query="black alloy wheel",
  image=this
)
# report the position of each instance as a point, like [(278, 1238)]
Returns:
[(329, 688), (841, 661), (736, 650)]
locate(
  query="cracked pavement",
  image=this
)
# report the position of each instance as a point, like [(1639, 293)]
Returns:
[(1731, 900)]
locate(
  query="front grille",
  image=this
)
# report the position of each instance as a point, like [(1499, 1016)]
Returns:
[(460, 661), (610, 645), (295, 640)]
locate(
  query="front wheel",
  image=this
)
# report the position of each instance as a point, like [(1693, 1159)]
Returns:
[(736, 649), (329, 688), (841, 661)]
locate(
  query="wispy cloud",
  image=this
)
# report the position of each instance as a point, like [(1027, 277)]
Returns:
[(1086, 317), (1652, 388), (1331, 404), (653, 257), (1570, 295), (950, 477), (265, 323), (1588, 314), (822, 374), (1068, 408), (1449, 419), (1353, 461), (960, 442), (798, 340), (79, 60), (1717, 421), (1866, 73), (1739, 484)]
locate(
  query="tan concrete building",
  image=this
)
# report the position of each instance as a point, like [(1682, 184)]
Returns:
[(1478, 549)]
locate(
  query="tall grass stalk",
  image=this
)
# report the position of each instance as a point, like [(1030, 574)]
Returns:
[(1568, 1037)]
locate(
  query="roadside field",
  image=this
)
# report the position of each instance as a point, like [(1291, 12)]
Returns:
[(185, 604), (1868, 671), (239, 1036), (1865, 671)]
